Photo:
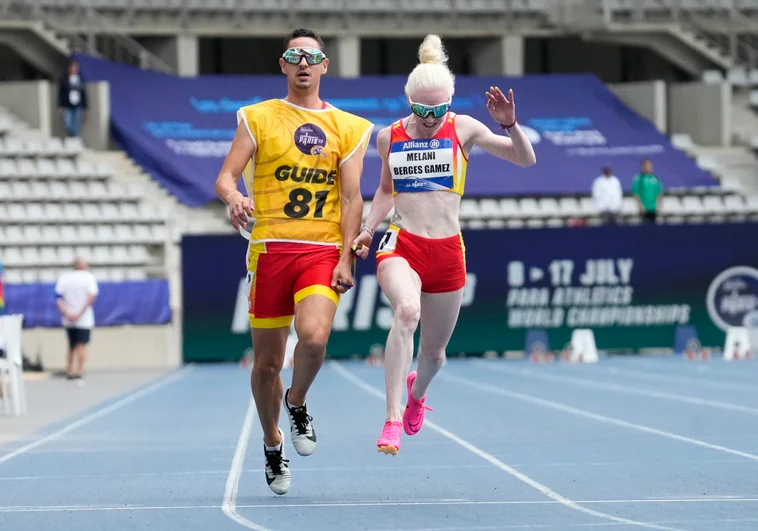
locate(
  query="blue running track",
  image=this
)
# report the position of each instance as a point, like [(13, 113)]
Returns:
[(625, 444)]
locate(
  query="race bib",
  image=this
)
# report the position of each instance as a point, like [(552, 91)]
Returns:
[(388, 241), (422, 165)]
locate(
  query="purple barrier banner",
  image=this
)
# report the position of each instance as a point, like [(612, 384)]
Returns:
[(144, 302), (179, 129)]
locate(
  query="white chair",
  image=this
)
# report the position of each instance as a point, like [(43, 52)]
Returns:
[(490, 209), (109, 212), (68, 234), (140, 233), (59, 190), (27, 168), (53, 146), (65, 168), (568, 207), (85, 168), (509, 207), (8, 168), (97, 190), (73, 146), (13, 146), (78, 190), (88, 234), (469, 209), (46, 168), (530, 208), (106, 233), (160, 233), (11, 366), (549, 207)]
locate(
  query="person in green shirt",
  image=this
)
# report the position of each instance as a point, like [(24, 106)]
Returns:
[(647, 189)]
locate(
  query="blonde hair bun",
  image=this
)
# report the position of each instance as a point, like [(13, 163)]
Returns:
[(432, 71), (431, 51)]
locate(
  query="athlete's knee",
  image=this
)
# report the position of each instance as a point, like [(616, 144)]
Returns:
[(313, 339), (435, 356), (266, 368), (407, 315)]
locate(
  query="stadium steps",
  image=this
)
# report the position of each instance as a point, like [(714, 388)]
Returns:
[(36, 43), (183, 218)]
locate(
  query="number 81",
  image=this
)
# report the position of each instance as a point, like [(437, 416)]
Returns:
[(299, 207)]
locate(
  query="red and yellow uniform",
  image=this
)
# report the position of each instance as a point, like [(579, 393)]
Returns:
[(293, 179), (427, 165)]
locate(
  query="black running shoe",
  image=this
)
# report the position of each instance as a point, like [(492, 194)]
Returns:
[(301, 428)]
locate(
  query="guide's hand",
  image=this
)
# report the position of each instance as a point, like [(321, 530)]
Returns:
[(240, 210)]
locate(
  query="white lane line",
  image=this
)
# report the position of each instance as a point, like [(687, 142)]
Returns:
[(648, 393), (118, 404), (348, 504), (571, 526), (382, 469), (544, 490), (700, 382), (594, 416), (229, 506)]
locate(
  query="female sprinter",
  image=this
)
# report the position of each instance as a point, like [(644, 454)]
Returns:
[(420, 260)]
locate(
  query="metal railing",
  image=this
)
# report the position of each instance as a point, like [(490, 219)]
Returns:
[(726, 28), (99, 38)]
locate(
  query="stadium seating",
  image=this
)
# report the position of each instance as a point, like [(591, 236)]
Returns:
[(56, 203), (690, 206)]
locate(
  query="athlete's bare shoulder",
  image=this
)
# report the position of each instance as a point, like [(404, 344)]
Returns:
[(466, 126)]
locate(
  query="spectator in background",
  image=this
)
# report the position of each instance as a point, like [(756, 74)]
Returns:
[(75, 294), (72, 99), (647, 189), (607, 195)]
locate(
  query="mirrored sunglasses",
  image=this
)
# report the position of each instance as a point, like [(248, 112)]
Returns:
[(313, 56), (422, 111)]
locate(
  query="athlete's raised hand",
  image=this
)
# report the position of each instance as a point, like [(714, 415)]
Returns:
[(502, 109), (240, 210)]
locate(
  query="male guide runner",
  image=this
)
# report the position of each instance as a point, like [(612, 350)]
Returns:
[(303, 161)]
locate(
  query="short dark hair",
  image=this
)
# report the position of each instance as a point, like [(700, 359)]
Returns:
[(302, 32)]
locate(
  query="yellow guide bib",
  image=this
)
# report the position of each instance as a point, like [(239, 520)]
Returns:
[(293, 177)]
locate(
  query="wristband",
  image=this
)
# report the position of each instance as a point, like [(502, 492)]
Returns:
[(508, 126), (367, 229)]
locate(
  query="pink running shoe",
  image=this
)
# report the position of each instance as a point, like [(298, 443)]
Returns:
[(415, 409), (389, 442)]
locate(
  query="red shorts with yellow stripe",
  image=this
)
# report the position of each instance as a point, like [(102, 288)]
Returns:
[(439, 262), (281, 274)]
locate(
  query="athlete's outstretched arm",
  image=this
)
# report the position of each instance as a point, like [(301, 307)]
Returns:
[(382, 202), (240, 153), (516, 149)]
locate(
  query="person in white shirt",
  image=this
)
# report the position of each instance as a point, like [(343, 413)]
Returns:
[(607, 195), (75, 293)]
